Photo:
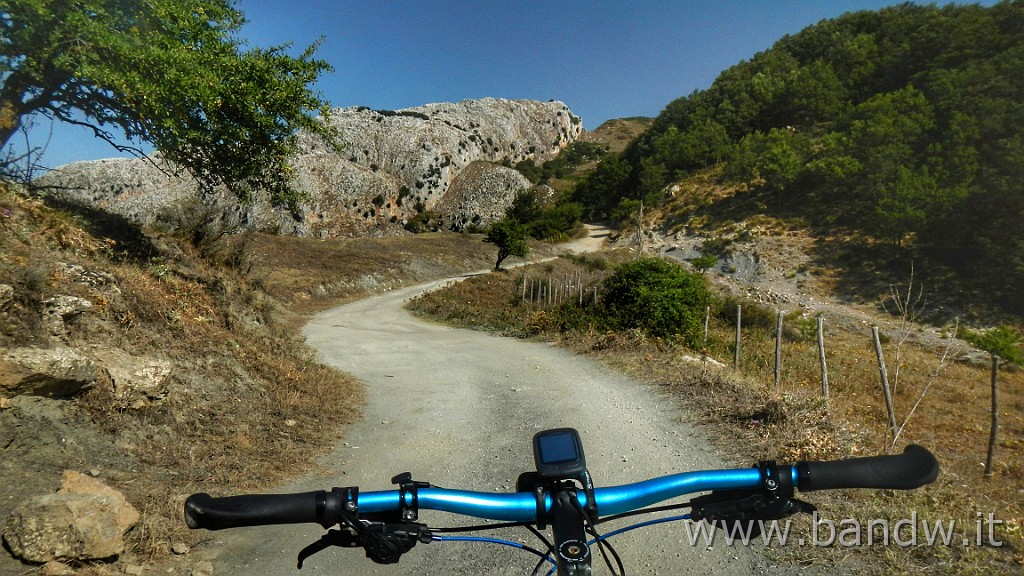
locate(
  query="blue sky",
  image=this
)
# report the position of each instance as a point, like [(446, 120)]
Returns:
[(605, 59)]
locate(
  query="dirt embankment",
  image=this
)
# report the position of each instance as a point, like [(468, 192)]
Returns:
[(233, 400)]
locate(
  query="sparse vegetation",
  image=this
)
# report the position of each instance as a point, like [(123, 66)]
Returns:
[(159, 299)]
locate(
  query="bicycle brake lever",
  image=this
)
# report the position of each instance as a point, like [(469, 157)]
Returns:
[(340, 538), (383, 543), (731, 507)]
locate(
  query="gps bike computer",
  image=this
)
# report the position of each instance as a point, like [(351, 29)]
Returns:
[(558, 454)]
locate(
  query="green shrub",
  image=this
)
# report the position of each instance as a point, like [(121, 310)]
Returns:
[(799, 328), (703, 263), (591, 262), (1002, 341), (658, 297)]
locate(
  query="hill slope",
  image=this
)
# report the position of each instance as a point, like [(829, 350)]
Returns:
[(902, 126)]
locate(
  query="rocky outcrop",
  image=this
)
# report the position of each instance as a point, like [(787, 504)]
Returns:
[(391, 166), (52, 373), (63, 371), (479, 194)]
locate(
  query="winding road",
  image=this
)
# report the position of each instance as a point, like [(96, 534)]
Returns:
[(458, 408)]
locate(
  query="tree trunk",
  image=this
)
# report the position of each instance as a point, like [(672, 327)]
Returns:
[(502, 254)]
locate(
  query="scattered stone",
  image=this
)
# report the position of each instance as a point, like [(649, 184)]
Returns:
[(180, 548), (96, 279), (135, 379), (59, 309), (6, 296), (85, 520), (204, 568)]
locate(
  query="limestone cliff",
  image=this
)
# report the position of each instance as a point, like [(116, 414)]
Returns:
[(451, 158)]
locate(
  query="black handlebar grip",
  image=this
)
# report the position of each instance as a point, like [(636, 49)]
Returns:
[(205, 511), (912, 469)]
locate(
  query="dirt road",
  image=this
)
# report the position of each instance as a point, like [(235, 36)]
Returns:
[(458, 408)]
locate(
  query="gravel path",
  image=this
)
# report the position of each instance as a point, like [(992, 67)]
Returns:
[(458, 408)]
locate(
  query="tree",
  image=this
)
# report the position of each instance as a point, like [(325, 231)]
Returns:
[(602, 190), (172, 73), (510, 238)]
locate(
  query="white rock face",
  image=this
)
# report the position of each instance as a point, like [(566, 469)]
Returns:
[(392, 166)]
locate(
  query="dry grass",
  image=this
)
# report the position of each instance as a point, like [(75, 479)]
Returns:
[(754, 419), (306, 274), (244, 405)]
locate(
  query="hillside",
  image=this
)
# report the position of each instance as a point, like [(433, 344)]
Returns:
[(940, 383), (900, 128)]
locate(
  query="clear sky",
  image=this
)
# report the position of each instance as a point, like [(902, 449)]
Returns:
[(604, 58)]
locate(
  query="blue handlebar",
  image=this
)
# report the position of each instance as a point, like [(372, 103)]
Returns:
[(522, 507), (914, 468)]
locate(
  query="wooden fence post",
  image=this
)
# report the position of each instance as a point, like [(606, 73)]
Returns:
[(885, 381), (994, 431), (707, 319), (739, 322), (821, 356), (778, 350)]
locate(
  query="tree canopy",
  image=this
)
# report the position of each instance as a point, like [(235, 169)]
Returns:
[(509, 235), (173, 73), (904, 124)]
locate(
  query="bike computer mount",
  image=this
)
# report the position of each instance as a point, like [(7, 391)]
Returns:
[(560, 465), (558, 454)]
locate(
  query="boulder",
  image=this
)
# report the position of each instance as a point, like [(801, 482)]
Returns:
[(135, 379), (85, 520), (66, 373), (59, 309)]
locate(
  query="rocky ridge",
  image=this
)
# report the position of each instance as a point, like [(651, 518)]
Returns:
[(391, 166)]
